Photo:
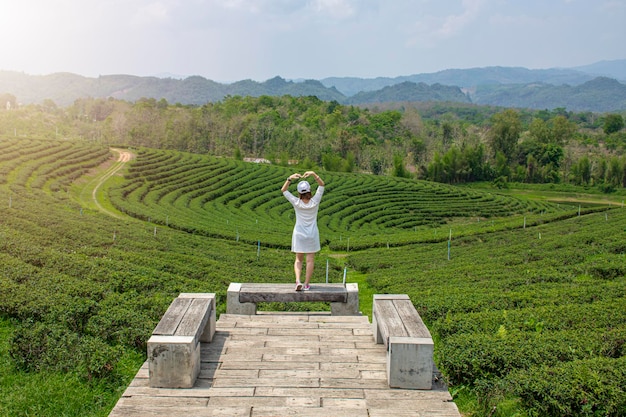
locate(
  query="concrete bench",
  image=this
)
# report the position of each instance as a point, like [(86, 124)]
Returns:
[(174, 347), (243, 298), (396, 323)]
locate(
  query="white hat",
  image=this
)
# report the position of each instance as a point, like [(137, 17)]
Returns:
[(304, 187)]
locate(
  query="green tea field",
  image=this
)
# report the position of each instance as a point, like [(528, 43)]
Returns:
[(525, 297)]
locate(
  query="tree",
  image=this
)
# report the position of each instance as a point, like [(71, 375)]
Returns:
[(615, 172), (504, 134), (561, 129), (539, 131), (474, 156), (398, 167), (502, 168), (613, 123), (584, 170)]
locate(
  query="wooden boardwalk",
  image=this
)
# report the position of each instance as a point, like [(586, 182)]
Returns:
[(287, 365)]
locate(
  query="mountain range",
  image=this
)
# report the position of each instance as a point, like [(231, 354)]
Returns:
[(598, 87)]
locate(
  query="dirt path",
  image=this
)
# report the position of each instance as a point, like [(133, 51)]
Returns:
[(124, 156)]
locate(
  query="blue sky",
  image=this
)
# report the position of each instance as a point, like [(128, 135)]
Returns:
[(230, 40)]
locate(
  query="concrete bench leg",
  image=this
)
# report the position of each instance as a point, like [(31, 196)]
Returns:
[(378, 337), (174, 361), (209, 329), (351, 306), (233, 306), (410, 362)]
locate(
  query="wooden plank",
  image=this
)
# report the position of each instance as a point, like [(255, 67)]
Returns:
[(388, 319), (310, 358), (308, 412), (303, 400), (285, 293), (417, 406), (309, 373), (289, 288), (253, 382), (411, 319), (352, 403), (282, 331), (166, 401), (236, 373), (408, 394), (296, 350), (373, 374), (156, 411), (354, 383), (157, 393), (324, 318), (195, 318), (315, 392), (172, 317), (363, 366), (391, 297), (270, 365), (275, 325), (312, 342)]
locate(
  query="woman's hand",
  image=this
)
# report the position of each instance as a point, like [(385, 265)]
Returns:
[(290, 178), (317, 177)]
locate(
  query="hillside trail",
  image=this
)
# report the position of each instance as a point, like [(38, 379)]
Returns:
[(124, 156)]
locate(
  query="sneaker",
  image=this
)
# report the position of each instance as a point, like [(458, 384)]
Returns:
[(298, 287), (307, 287)]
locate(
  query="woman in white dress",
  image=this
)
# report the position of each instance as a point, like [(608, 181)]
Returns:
[(306, 237)]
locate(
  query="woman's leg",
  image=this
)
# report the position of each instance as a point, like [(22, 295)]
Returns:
[(297, 266), (310, 264)]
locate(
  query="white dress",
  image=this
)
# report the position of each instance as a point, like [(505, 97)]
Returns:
[(306, 236)]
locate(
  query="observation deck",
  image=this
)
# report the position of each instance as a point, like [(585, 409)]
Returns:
[(281, 364)]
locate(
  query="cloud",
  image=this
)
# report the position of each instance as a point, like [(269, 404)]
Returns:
[(277, 7), (336, 9), (151, 13), (430, 29), (333, 9), (613, 6)]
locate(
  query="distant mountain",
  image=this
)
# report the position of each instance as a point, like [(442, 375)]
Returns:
[(65, 88), (578, 89), (410, 91), (464, 78), (601, 94), (612, 69)]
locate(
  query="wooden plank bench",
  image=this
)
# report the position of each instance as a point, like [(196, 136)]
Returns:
[(397, 324), (243, 298), (174, 347)]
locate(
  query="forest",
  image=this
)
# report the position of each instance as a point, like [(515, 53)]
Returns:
[(439, 141)]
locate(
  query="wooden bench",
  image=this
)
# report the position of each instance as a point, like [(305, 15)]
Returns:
[(397, 324), (243, 298), (174, 347)]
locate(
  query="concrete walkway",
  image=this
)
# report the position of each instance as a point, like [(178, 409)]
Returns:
[(280, 364)]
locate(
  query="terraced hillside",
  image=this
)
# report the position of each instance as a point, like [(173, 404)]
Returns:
[(526, 302), (237, 200)]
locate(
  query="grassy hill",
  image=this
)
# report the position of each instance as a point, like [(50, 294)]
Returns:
[(524, 288)]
